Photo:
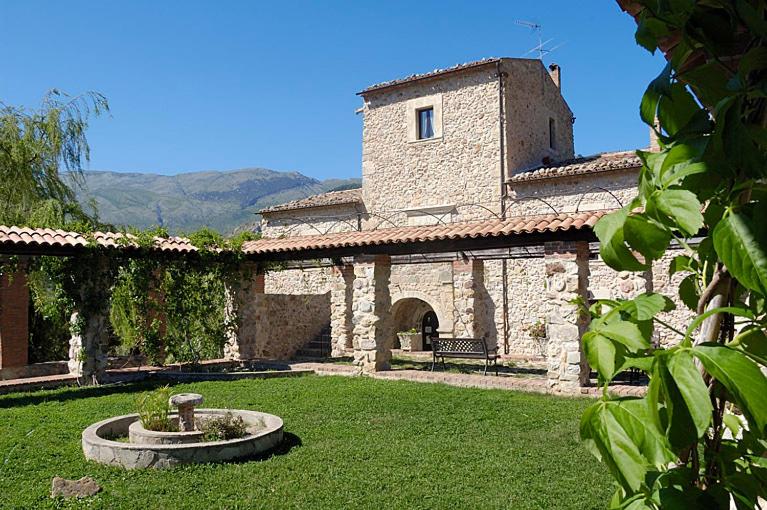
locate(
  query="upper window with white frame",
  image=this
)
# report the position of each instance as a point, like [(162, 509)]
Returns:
[(424, 118), (425, 123)]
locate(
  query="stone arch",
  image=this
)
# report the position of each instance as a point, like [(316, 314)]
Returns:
[(411, 310), (445, 320)]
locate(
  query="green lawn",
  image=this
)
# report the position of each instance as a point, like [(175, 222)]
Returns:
[(351, 443)]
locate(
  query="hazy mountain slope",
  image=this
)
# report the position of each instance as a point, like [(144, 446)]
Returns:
[(185, 202)]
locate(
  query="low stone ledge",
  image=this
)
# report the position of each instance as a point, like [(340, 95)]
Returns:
[(265, 432)]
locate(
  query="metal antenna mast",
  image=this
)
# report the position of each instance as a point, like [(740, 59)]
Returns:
[(541, 48)]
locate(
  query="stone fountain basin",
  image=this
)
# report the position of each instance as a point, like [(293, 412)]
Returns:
[(264, 433)]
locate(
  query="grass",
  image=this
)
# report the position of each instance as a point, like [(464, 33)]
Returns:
[(351, 443)]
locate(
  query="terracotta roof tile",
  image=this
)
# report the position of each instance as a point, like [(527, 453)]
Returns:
[(605, 162), (349, 196), (464, 230), (54, 238)]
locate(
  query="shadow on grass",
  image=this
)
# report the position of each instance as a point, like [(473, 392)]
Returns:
[(76, 393), (289, 441)]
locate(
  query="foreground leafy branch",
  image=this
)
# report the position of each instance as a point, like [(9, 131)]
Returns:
[(697, 439)]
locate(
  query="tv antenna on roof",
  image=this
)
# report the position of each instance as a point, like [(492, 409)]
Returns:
[(541, 48)]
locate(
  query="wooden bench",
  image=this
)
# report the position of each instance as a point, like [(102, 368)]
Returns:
[(468, 348)]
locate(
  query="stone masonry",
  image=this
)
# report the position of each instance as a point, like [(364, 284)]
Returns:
[(567, 273), (371, 308), (341, 326)]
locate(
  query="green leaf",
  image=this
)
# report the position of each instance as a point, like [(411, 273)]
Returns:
[(646, 306), (753, 341), (677, 108), (658, 87), (693, 389), (678, 172), (680, 263), (609, 442), (646, 236), (741, 246), (688, 292), (634, 417), (603, 355), (741, 377), (624, 332), (612, 248), (732, 422), (681, 206)]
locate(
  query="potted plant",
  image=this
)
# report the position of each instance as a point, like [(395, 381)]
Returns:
[(537, 331), (410, 340)]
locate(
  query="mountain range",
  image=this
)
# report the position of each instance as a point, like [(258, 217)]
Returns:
[(226, 201)]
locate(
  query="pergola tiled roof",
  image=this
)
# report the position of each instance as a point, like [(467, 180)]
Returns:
[(54, 241), (473, 235), (605, 162), (449, 237), (349, 196)]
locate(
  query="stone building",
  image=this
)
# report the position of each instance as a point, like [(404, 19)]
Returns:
[(488, 139)]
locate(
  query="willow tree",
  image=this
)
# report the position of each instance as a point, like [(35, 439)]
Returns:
[(698, 439), (42, 153)]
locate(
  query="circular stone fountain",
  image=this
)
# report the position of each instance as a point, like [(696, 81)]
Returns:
[(147, 448)]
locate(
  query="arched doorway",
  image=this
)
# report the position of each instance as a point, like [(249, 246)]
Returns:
[(429, 328), (415, 316)]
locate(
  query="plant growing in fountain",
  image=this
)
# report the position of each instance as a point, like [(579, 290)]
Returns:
[(222, 428), (154, 412)]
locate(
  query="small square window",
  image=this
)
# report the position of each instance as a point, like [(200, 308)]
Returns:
[(552, 134), (425, 123)]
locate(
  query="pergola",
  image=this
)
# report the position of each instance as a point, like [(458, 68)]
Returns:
[(360, 296)]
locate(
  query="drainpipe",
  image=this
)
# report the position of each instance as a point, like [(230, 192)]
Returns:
[(504, 268)]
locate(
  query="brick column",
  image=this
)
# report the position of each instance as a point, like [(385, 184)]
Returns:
[(14, 319), (244, 311), (341, 327), (567, 276), (371, 313)]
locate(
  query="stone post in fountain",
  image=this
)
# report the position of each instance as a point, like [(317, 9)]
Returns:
[(185, 403)]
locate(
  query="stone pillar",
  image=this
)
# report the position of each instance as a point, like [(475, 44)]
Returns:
[(244, 310), (467, 313), (89, 323), (87, 359), (371, 313), (14, 318), (567, 276), (341, 327)]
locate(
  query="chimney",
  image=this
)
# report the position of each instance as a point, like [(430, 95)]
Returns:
[(554, 72)]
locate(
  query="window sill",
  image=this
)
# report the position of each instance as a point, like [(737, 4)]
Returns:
[(425, 140)]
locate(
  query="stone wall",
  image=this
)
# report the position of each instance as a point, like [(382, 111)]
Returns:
[(289, 322), (460, 167), (568, 194), (310, 221), (314, 280), (532, 98)]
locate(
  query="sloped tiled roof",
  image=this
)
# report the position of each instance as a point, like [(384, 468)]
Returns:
[(465, 230), (349, 196), (430, 74), (21, 237), (605, 162)]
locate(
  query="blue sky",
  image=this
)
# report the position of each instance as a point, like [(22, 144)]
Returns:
[(223, 85)]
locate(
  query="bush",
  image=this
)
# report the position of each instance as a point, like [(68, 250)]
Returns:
[(153, 410), (221, 428)]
